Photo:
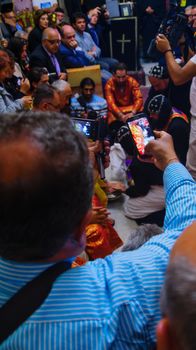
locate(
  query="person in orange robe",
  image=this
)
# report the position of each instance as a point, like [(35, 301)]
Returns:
[(123, 95)]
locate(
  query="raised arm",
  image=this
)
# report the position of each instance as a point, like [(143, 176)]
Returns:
[(180, 188), (179, 75)]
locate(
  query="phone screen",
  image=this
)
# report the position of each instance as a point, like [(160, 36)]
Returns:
[(84, 126), (141, 132)]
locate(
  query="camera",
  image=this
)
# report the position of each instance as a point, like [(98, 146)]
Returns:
[(173, 27), (94, 130), (103, 10)]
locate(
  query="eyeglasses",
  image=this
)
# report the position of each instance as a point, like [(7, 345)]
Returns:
[(55, 41)]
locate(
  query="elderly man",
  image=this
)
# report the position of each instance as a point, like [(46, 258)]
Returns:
[(72, 54), (46, 187), (46, 99), (180, 75), (65, 93), (47, 55)]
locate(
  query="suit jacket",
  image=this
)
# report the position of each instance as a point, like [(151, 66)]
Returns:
[(73, 58), (7, 31), (40, 58)]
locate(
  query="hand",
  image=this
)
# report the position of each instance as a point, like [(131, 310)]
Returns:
[(112, 186), (149, 10), (128, 115), (73, 44), (162, 43), (99, 215), (63, 76), (161, 150), (27, 102), (25, 86), (95, 11), (93, 148), (91, 53)]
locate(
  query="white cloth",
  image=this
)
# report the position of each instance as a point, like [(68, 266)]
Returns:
[(117, 163), (140, 207), (193, 91)]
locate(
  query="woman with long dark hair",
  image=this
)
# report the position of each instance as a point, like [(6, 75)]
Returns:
[(35, 36)]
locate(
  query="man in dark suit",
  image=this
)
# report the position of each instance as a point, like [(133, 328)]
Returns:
[(73, 56), (47, 55)]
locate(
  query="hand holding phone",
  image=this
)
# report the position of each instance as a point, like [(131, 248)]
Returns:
[(141, 133)]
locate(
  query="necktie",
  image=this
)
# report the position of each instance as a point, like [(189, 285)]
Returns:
[(56, 64)]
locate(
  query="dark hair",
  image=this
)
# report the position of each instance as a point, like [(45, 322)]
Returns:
[(44, 92), (119, 66), (59, 9), (38, 14), (35, 74), (76, 16), (50, 185), (16, 46), (87, 81)]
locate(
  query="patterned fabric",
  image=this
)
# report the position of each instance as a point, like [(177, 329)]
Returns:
[(176, 114), (159, 72), (123, 101), (110, 303)]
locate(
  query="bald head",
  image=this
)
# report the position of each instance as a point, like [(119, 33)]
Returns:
[(69, 36), (51, 40)]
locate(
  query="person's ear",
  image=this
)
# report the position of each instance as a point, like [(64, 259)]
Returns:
[(166, 340), (81, 228), (44, 106)]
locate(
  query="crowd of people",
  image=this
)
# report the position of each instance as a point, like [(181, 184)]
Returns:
[(63, 286)]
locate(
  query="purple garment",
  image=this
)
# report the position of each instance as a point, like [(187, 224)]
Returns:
[(56, 64)]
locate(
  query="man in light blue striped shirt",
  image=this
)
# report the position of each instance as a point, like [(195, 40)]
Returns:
[(46, 185)]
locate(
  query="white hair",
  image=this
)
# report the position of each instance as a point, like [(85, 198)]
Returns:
[(60, 85)]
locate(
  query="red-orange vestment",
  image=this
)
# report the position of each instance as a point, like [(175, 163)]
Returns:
[(123, 100)]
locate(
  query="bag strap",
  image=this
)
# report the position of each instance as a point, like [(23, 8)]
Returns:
[(28, 299)]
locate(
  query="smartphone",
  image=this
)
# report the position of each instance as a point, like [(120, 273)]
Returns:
[(141, 132), (85, 126)]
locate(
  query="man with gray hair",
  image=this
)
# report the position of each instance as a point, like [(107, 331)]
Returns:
[(47, 55), (21, 34), (65, 93), (177, 329)]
